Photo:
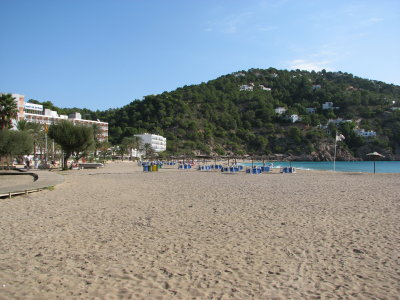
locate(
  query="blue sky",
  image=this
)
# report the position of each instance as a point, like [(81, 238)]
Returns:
[(100, 54)]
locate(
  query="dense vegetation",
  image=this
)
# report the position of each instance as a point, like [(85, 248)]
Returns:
[(218, 118), (14, 143)]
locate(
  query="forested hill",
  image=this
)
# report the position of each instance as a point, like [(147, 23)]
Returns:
[(218, 117)]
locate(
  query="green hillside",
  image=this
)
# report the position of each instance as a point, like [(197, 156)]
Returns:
[(218, 118)]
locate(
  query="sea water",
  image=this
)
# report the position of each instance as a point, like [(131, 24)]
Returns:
[(340, 166)]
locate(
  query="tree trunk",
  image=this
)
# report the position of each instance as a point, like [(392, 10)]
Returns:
[(66, 157)]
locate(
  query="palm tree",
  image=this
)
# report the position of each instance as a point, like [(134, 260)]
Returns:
[(35, 130), (131, 143), (8, 110), (121, 150), (22, 125), (148, 150)]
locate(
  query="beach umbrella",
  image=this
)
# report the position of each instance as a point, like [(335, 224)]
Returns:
[(374, 155)]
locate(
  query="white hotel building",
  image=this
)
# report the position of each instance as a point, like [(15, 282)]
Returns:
[(157, 142), (35, 113)]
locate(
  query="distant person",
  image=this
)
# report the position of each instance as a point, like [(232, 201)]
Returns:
[(27, 162), (36, 162)]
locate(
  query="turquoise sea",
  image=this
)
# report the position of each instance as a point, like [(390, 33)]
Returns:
[(341, 166)]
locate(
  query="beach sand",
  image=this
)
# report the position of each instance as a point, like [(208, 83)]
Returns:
[(119, 233)]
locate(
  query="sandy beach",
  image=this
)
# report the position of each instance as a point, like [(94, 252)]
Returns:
[(119, 233)]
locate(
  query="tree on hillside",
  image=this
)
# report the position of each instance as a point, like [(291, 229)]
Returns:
[(14, 143), (8, 110), (217, 115), (74, 139)]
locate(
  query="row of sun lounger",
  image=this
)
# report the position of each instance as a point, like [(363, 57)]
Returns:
[(151, 167)]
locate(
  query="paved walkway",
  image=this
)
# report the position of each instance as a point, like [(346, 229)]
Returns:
[(20, 186)]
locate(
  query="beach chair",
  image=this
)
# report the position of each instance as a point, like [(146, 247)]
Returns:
[(288, 170), (265, 169)]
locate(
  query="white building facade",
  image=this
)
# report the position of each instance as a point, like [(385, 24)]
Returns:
[(310, 110), (35, 113), (366, 134), (329, 105), (157, 142), (280, 110), (245, 87), (294, 118)]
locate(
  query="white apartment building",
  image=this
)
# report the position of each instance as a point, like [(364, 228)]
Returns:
[(35, 113), (157, 142)]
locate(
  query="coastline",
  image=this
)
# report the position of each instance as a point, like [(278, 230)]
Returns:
[(385, 167), (117, 232)]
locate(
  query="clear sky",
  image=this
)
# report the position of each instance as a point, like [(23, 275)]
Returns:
[(101, 54)]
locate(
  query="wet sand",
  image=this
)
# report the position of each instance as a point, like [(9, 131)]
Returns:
[(119, 233)]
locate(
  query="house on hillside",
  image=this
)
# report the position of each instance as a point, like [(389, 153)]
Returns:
[(366, 134), (264, 88), (280, 110), (328, 105), (338, 121), (310, 110), (351, 88), (294, 118), (239, 74), (245, 87)]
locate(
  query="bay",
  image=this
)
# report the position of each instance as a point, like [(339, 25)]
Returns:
[(341, 166)]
